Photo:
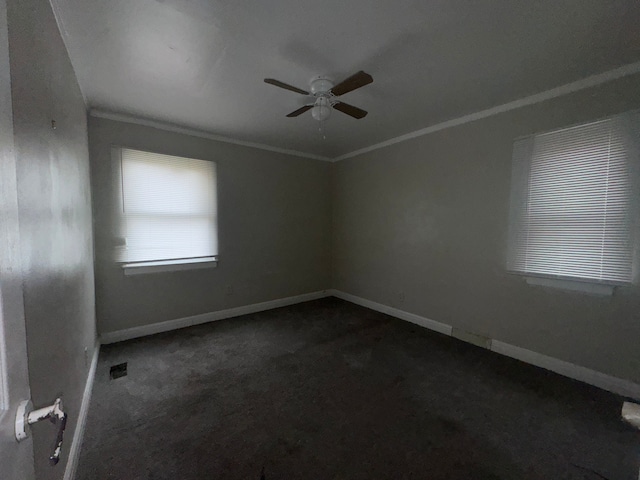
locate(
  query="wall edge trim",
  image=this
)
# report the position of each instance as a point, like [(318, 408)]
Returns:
[(78, 434), (64, 35), (394, 312), (625, 388), (582, 84), (122, 117), (620, 386), (168, 325)]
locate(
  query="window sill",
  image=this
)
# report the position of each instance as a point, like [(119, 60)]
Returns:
[(142, 268), (599, 289)]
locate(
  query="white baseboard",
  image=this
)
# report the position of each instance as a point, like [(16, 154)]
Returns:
[(616, 385), (76, 442), (607, 382), (394, 312), (144, 330)]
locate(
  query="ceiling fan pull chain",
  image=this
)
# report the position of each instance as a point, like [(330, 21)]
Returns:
[(321, 129)]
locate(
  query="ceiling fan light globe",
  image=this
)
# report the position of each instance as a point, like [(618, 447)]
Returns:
[(320, 112)]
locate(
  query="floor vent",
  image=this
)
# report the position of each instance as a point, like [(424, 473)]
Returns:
[(117, 371)]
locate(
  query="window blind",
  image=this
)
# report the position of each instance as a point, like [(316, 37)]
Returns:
[(571, 202), (168, 209)]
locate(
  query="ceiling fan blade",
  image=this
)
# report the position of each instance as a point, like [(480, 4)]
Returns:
[(358, 80), (355, 112), (278, 83), (300, 111)]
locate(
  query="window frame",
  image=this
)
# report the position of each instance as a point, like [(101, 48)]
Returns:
[(574, 283), (130, 268)]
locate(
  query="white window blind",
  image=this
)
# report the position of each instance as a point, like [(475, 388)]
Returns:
[(571, 214), (168, 209)]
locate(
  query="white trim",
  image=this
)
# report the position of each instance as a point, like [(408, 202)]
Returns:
[(64, 35), (610, 383), (76, 443), (4, 374), (617, 385), (394, 312), (144, 330), (120, 117), (588, 82), (599, 289), (141, 268)]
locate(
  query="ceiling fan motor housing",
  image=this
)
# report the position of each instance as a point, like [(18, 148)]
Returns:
[(321, 86)]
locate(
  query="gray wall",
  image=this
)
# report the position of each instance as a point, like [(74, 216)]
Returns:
[(428, 218), (55, 218), (274, 220)]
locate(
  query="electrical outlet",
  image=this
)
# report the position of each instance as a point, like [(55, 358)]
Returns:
[(86, 357), (228, 290), (401, 297)]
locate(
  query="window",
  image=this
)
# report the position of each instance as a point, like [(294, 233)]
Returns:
[(167, 213), (571, 202)]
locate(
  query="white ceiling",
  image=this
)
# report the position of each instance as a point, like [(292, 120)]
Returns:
[(201, 63)]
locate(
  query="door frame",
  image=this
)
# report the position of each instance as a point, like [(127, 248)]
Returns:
[(16, 459)]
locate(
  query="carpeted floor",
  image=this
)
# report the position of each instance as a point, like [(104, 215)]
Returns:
[(330, 390)]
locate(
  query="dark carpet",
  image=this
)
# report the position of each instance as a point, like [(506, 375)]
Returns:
[(330, 390)]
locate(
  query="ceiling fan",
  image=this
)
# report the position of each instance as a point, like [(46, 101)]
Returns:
[(325, 93)]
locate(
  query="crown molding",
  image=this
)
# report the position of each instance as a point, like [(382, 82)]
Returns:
[(588, 82), (121, 117)]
